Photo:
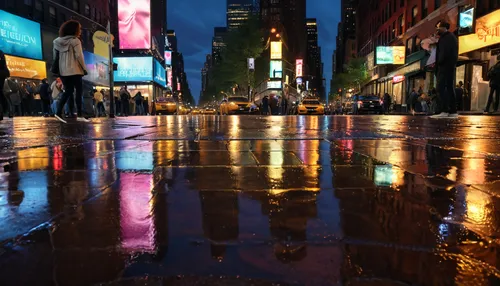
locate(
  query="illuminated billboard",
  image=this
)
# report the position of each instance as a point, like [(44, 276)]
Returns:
[(466, 21), (168, 58), (98, 69), (392, 55), (486, 34), (134, 69), (24, 68), (20, 37), (160, 76), (274, 84), (276, 69), (134, 24), (276, 50), (299, 63), (169, 77)]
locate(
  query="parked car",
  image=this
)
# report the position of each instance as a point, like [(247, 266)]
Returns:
[(365, 104), (237, 105)]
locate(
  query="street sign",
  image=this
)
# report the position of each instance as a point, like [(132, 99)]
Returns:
[(251, 64)]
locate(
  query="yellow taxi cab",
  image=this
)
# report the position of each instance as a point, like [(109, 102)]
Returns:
[(196, 111), (237, 105), (182, 109), (209, 111), (311, 106), (165, 105)]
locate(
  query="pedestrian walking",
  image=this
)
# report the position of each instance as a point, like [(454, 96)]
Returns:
[(99, 100), (413, 100), (69, 55), (4, 74), (45, 97), (13, 96), (284, 106), (125, 100), (118, 103), (387, 102), (459, 94), (494, 77), (265, 105), (139, 106), (446, 62)]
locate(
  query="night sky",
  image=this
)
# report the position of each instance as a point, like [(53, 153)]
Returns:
[(194, 22)]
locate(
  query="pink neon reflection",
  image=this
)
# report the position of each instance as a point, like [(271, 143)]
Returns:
[(136, 219), (134, 24)]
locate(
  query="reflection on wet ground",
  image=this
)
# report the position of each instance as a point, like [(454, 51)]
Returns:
[(250, 201)]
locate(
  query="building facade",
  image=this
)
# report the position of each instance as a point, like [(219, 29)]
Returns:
[(238, 12), (314, 75)]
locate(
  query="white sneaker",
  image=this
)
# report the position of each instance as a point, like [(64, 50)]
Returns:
[(453, 115), (60, 119), (441, 115), (82, 119)]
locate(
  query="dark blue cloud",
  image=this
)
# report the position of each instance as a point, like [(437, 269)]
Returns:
[(194, 22)]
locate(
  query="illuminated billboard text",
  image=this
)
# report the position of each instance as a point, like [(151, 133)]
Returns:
[(394, 55), (299, 67), (24, 68), (276, 50), (160, 76), (20, 37), (487, 34), (98, 69), (134, 69)]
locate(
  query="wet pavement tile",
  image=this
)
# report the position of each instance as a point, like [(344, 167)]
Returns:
[(208, 200)]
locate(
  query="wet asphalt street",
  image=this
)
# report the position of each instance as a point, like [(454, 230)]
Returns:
[(186, 200)]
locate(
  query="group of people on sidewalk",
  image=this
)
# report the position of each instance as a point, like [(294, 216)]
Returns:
[(274, 105)]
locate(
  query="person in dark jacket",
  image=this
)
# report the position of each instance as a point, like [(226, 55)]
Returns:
[(45, 96), (446, 62), (265, 105), (459, 95), (387, 102), (4, 74), (494, 77)]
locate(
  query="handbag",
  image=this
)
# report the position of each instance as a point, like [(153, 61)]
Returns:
[(55, 65)]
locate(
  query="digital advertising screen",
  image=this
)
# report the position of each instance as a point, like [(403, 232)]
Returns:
[(392, 55), (134, 69), (168, 58), (20, 37), (276, 50), (134, 24), (299, 67), (276, 69), (466, 21), (98, 69), (160, 75), (169, 77), (25, 68)]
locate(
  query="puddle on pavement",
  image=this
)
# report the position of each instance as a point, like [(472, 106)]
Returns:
[(290, 212)]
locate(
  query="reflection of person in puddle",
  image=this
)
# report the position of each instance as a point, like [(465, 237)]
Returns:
[(73, 200)]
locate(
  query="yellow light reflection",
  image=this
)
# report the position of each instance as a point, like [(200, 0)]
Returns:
[(275, 171), (477, 207), (33, 159)]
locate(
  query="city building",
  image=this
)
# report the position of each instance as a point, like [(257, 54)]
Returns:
[(238, 11), (218, 43), (314, 71), (284, 23), (402, 26), (346, 34)]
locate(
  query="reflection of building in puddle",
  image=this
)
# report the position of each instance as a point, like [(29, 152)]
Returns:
[(136, 215), (220, 211), (288, 214), (136, 160)]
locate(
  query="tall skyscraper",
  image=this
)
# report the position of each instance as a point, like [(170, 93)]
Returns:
[(346, 39), (314, 56), (238, 11), (218, 43)]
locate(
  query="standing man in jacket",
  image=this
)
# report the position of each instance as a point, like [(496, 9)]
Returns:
[(446, 62), (4, 73), (45, 96)]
